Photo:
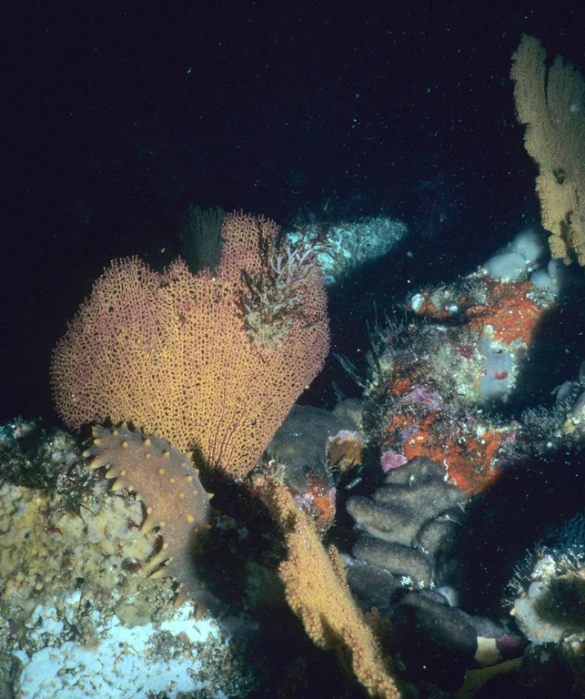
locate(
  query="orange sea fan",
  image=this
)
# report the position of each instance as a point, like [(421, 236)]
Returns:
[(172, 353)]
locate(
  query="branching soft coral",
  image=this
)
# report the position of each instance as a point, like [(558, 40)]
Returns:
[(316, 590), (271, 300), (179, 355)]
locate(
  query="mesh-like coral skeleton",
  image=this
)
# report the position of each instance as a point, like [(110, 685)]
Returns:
[(175, 352)]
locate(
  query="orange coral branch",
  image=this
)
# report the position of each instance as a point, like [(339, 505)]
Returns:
[(316, 590)]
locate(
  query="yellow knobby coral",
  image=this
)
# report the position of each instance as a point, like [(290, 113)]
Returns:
[(175, 500), (551, 103), (316, 590)]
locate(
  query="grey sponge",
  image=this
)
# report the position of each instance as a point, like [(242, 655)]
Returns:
[(409, 521)]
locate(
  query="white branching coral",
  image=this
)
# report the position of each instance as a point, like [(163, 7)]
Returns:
[(351, 244), (272, 301)]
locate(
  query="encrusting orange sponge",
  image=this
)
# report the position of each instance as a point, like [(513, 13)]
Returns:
[(165, 480)]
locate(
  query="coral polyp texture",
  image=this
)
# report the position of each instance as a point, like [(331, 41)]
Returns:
[(168, 484), (549, 102), (79, 616), (211, 362), (45, 547)]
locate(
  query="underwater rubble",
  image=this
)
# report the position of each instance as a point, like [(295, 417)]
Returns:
[(414, 485), (453, 449), (79, 620)]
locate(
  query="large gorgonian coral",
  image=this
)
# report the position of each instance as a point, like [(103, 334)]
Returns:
[(195, 358)]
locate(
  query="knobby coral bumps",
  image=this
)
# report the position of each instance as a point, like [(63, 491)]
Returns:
[(181, 354), (175, 500)]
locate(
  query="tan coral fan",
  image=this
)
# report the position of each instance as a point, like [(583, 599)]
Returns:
[(170, 352), (168, 484), (316, 590), (551, 103)]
